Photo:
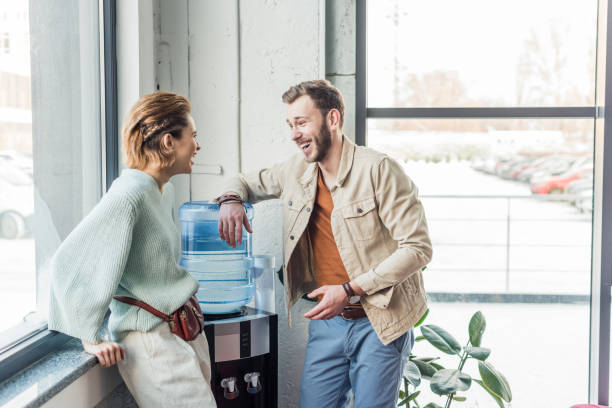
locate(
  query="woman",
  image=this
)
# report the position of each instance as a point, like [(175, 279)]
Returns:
[(128, 246)]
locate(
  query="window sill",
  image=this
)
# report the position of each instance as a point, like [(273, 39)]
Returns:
[(44, 379)]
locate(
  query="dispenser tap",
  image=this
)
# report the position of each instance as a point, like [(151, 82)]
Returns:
[(253, 384), (229, 388)]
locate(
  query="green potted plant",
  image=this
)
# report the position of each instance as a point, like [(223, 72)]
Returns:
[(449, 382)]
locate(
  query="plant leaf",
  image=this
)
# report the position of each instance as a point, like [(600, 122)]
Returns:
[(432, 405), (412, 373), (419, 338), (437, 366), (427, 371), (426, 359), (494, 380), (459, 399), (402, 394), (441, 339), (422, 319), (413, 396), (480, 353), (402, 402), (476, 328), (449, 381), (499, 401)]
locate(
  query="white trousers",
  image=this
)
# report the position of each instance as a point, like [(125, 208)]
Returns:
[(162, 370)]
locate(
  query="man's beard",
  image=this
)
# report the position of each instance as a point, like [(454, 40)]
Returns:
[(323, 143)]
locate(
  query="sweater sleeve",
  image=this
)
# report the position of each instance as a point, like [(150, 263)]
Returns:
[(88, 266)]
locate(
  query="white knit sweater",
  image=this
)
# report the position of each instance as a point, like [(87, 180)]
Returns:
[(126, 246)]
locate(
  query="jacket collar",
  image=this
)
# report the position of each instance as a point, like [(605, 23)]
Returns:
[(311, 172), (346, 164), (346, 160)]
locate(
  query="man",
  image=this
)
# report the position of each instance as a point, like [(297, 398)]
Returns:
[(355, 236)]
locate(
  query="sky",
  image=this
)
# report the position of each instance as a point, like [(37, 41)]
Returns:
[(480, 39)]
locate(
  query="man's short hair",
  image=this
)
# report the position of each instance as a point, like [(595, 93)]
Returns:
[(324, 95), (150, 118)]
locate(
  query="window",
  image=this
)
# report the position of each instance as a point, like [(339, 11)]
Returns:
[(490, 108), (482, 53), (50, 148)]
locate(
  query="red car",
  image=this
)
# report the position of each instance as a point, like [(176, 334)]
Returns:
[(557, 185)]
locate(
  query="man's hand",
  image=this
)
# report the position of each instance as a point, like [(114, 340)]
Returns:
[(333, 302), (108, 352), (231, 218)]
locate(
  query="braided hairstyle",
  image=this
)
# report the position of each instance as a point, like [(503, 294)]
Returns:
[(150, 118)]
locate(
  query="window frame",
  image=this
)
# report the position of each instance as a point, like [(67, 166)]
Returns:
[(34, 342), (601, 273)]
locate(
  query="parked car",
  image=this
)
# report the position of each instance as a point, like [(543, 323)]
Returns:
[(501, 163), (577, 186), (554, 167), (585, 201), (557, 185), (529, 168), (486, 166), (16, 197), (507, 169)]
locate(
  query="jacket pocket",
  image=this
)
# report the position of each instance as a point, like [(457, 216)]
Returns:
[(362, 219), (293, 209)]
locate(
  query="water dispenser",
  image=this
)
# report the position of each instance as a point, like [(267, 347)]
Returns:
[(237, 296), (263, 277), (224, 273)]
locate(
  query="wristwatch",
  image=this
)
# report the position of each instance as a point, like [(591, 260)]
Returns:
[(229, 198), (350, 293)]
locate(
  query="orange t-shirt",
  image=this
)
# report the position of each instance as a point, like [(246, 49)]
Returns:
[(329, 269)]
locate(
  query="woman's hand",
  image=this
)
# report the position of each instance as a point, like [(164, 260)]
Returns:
[(231, 218), (108, 352)]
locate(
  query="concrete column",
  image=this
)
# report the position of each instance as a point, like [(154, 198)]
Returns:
[(340, 54)]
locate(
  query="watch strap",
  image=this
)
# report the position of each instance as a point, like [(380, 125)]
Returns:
[(348, 289), (229, 198)]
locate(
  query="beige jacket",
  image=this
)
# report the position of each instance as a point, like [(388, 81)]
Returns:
[(378, 223)]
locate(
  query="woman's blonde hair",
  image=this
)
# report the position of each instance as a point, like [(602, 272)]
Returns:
[(149, 119)]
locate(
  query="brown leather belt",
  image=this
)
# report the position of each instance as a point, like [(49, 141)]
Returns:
[(352, 313)]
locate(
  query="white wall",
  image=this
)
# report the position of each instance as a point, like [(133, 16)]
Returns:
[(214, 90)]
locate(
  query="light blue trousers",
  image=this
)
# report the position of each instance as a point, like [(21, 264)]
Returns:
[(345, 357)]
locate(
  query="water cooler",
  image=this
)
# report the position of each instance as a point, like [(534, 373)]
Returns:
[(237, 297)]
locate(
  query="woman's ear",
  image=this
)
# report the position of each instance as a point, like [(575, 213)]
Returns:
[(167, 142)]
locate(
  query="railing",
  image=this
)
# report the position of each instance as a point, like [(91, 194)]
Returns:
[(512, 216)]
